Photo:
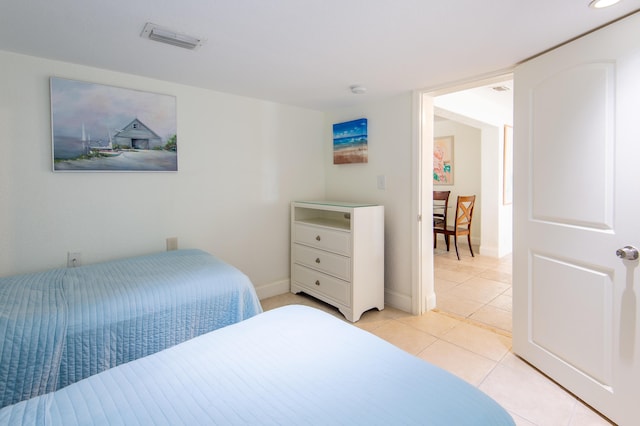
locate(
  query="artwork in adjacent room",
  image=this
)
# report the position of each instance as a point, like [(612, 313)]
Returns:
[(350, 143), (443, 160), (507, 188), (104, 128)]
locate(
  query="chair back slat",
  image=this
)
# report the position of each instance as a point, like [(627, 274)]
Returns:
[(440, 208), (464, 211), (464, 216)]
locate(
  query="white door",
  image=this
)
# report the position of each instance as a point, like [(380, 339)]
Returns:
[(576, 201)]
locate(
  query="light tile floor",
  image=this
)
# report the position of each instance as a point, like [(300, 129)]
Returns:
[(473, 342), (477, 288)]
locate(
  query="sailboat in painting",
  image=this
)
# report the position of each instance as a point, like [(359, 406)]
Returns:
[(108, 150)]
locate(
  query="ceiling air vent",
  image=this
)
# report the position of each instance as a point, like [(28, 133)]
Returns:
[(165, 35)]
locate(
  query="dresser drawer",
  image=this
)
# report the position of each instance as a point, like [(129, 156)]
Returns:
[(317, 282), (324, 261), (326, 239)]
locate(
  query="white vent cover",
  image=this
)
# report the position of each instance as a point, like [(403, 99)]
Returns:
[(165, 35)]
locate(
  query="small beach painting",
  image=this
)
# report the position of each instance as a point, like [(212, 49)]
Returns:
[(443, 161), (350, 142), (104, 128)]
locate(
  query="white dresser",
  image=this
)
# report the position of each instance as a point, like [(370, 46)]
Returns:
[(337, 254)]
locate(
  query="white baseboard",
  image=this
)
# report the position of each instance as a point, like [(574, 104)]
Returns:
[(403, 302), (431, 301), (273, 289), (398, 301), (488, 251), (391, 298)]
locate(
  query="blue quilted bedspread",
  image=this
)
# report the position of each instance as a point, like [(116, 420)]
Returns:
[(290, 366), (61, 326)]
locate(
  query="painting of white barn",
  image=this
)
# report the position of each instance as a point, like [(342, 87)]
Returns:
[(136, 135), (97, 127)]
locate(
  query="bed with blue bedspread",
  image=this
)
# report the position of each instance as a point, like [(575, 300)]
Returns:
[(290, 366), (61, 326)]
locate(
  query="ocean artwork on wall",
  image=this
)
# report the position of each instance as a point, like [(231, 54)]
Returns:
[(443, 161), (350, 142), (95, 127)]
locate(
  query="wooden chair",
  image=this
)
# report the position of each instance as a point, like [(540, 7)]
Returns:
[(464, 215), (440, 208)]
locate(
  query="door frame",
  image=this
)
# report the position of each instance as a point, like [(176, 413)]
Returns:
[(423, 296)]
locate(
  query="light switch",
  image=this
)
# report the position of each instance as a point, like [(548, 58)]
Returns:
[(382, 182)]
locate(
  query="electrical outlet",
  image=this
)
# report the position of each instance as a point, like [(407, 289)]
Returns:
[(172, 243), (73, 259)]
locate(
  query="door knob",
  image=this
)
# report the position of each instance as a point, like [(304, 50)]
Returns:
[(627, 252)]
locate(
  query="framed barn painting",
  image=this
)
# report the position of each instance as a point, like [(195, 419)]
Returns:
[(350, 142), (104, 128), (443, 161)]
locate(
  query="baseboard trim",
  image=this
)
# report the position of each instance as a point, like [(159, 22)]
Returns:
[(273, 289), (488, 251), (431, 302), (391, 298), (398, 301)]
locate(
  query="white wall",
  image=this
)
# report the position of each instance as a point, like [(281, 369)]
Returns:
[(467, 178), (390, 144), (241, 161), (496, 219)]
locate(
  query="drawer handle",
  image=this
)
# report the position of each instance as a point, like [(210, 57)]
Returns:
[(317, 260), (317, 282), (317, 237)]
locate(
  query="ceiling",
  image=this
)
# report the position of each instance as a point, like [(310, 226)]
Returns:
[(498, 96), (302, 52)]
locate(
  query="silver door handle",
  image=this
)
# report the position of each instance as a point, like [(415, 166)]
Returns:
[(627, 252)]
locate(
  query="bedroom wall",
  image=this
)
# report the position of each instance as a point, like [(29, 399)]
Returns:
[(241, 161), (390, 144)]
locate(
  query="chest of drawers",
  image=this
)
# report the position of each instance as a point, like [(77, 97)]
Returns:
[(337, 254)]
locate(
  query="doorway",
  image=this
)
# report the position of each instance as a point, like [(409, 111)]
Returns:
[(475, 116)]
